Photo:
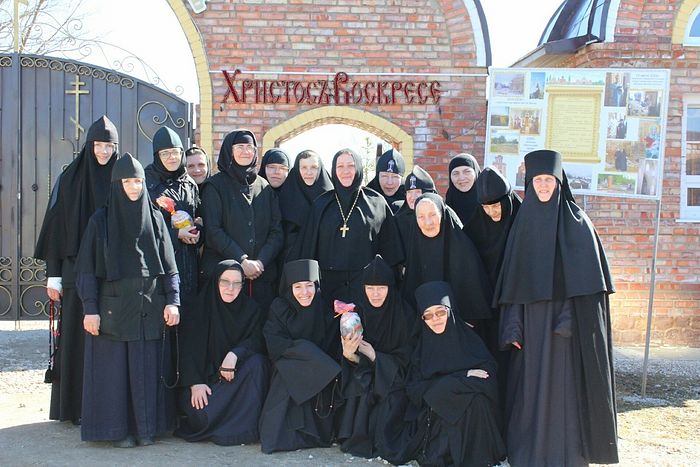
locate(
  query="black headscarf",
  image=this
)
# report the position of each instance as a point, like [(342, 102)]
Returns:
[(488, 236), (463, 203), (449, 256), (273, 156), (347, 195), (391, 161), (310, 322), (216, 328), (83, 188), (296, 196), (134, 237), (386, 327), (165, 138), (226, 163), (457, 349), (553, 250)]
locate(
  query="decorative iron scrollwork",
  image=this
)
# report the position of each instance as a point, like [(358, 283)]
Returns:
[(179, 123), (72, 68), (5, 61)]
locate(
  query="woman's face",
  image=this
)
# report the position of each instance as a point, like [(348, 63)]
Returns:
[(309, 168), (412, 196), (428, 218), (103, 151), (463, 178), (133, 187), (376, 294), (389, 182), (171, 158), (230, 285), (276, 174), (244, 153), (436, 318), (197, 167), (544, 186), (493, 211), (345, 169), (304, 292)]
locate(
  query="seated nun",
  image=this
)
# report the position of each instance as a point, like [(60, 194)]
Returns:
[(374, 360), (452, 388), (224, 371), (298, 411)]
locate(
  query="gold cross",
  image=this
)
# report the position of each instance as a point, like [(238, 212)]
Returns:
[(15, 23), (77, 91), (344, 229)]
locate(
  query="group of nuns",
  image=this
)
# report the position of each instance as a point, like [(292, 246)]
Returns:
[(484, 322)]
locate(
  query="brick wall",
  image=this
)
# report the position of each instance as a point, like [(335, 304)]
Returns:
[(436, 37)]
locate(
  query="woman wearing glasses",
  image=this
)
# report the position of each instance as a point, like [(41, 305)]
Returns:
[(224, 375), (242, 217), (452, 388), (167, 176)]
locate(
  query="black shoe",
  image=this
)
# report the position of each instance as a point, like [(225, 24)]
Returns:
[(145, 441), (128, 442)]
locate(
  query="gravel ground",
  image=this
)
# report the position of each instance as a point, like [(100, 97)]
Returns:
[(659, 430)]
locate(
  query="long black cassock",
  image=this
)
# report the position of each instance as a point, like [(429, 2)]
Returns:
[(451, 257), (78, 192), (241, 218), (127, 274), (489, 238), (553, 290), (452, 418), (209, 332), (299, 409), (296, 198), (372, 389), (179, 187), (342, 254)]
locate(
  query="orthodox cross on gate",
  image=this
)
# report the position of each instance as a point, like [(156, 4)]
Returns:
[(77, 92), (15, 22)]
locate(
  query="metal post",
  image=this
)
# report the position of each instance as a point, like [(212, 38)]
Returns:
[(650, 310)]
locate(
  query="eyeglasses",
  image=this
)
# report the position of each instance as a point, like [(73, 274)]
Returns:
[(245, 148), (227, 284), (435, 314), (168, 153)]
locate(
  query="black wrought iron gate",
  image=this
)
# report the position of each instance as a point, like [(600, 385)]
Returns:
[(46, 105)]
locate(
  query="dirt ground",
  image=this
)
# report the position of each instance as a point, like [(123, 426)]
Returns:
[(659, 430)]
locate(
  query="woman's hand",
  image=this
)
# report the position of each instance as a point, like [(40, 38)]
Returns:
[(350, 346), (517, 345), (53, 294), (199, 395), (366, 349), (91, 323), (483, 374), (186, 236), (252, 268), (227, 370), (171, 315)]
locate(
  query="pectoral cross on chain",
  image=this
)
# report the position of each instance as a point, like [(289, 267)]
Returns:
[(344, 229)]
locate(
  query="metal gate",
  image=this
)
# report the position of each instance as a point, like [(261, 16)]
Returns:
[(46, 106)]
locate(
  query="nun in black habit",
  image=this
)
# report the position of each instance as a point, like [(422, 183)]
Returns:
[(440, 251), (274, 168), (307, 180), (78, 192), (553, 291), (347, 227), (461, 194), (300, 335), (388, 180), (452, 388), (418, 182), (242, 217), (128, 282), (167, 176), (374, 362), (225, 374)]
